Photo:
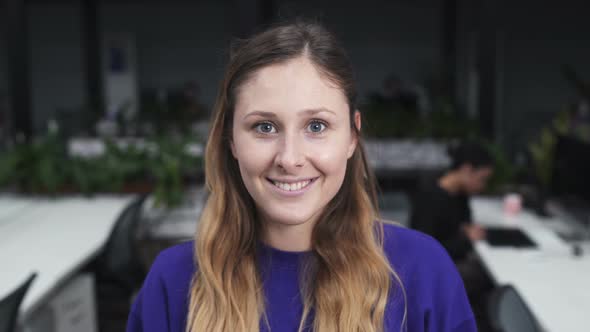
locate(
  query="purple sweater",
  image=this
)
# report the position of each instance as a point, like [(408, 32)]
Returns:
[(436, 298)]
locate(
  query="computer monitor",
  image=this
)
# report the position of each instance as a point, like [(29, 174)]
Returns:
[(571, 169)]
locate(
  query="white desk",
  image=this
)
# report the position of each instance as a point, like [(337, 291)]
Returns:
[(53, 237), (180, 223), (554, 283), (12, 206)]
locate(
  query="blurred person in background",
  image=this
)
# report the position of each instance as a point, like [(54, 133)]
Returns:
[(440, 208)]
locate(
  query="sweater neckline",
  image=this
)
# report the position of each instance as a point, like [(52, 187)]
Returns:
[(280, 257)]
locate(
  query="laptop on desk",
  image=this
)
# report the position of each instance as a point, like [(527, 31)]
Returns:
[(508, 237)]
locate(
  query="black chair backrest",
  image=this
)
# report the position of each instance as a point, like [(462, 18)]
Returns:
[(424, 181), (119, 261), (509, 313), (9, 305)]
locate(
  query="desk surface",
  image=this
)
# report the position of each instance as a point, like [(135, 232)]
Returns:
[(53, 237), (554, 283)]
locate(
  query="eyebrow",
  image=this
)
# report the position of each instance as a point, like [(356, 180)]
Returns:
[(312, 111)]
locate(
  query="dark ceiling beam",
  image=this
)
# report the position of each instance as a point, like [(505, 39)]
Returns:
[(19, 71), (449, 46), (487, 66), (91, 52)]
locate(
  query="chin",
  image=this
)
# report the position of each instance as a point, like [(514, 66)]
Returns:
[(288, 219)]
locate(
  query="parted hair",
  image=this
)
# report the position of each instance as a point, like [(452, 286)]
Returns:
[(347, 279)]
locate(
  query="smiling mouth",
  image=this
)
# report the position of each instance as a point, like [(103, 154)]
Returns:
[(292, 186)]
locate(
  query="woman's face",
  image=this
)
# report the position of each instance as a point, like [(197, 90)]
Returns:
[(291, 138)]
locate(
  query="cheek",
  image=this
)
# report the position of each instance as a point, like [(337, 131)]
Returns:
[(477, 185), (330, 158), (251, 158)]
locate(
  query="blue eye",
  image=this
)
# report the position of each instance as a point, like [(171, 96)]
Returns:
[(316, 127), (265, 128)]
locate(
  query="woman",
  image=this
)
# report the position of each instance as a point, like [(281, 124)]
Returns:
[(289, 238)]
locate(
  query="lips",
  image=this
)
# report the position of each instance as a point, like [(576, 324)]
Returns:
[(292, 185)]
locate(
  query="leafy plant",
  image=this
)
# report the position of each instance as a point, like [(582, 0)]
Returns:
[(542, 150), (170, 162), (385, 121), (44, 166), (39, 166), (448, 124), (9, 161), (504, 171)]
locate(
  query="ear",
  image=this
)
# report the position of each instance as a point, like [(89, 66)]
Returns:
[(357, 120), (354, 138), (233, 148), (466, 168)]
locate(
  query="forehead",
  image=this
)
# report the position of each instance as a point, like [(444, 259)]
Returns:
[(290, 87), (483, 171)]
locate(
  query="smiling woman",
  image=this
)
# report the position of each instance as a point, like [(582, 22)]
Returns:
[(290, 239), (293, 157)]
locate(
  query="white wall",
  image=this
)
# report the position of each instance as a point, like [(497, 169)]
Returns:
[(175, 43), (188, 41), (56, 59)]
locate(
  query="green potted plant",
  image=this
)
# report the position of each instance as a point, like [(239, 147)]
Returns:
[(40, 166), (169, 165), (542, 153), (505, 171)]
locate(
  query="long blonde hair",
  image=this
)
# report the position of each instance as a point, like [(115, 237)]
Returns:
[(351, 275)]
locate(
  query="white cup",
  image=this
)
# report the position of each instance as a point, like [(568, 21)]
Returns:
[(512, 204)]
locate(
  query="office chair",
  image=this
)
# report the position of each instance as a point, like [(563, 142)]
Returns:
[(10, 305), (119, 262), (119, 270), (508, 312)]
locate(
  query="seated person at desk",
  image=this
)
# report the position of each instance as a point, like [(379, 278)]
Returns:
[(441, 209)]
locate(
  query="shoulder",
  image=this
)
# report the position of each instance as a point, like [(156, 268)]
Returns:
[(419, 259), (180, 256), (430, 279), (173, 269), (162, 300), (405, 246)]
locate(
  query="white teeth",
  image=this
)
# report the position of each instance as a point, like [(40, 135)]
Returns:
[(292, 186)]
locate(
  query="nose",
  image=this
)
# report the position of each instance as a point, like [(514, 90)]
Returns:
[(290, 155)]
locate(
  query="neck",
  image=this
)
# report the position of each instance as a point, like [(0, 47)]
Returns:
[(450, 183), (288, 237)]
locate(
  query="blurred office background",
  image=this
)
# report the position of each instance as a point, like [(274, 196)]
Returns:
[(104, 110)]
